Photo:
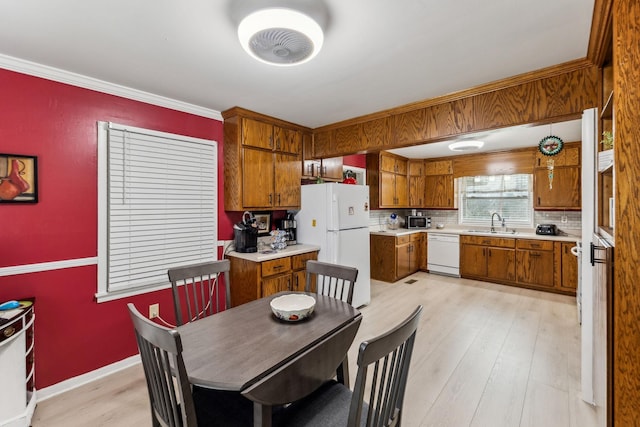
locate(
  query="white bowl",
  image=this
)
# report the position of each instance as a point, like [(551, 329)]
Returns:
[(293, 307)]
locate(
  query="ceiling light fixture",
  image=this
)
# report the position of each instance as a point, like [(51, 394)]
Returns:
[(466, 145), (280, 36)]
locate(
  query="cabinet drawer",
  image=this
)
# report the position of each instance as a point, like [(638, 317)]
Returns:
[(499, 242), (401, 240), (540, 245), (276, 266), (300, 261)]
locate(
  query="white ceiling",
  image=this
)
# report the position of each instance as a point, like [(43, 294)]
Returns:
[(378, 54)]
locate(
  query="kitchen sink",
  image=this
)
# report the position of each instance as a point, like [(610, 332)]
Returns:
[(499, 233)]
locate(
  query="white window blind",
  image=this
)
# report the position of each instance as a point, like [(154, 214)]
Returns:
[(158, 203), (508, 195)]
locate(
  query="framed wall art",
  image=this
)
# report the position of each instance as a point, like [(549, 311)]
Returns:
[(263, 221), (18, 179)]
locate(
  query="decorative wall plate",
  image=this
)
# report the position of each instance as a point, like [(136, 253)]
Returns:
[(550, 145)]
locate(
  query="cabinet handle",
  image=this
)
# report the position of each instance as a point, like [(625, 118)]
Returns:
[(278, 267), (534, 254), (535, 245), (289, 284), (324, 171), (270, 199), (279, 199), (538, 200), (270, 141)]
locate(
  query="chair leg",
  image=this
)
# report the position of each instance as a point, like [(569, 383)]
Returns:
[(342, 373)]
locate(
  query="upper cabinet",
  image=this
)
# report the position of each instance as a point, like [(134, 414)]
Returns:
[(557, 180), (262, 157), (439, 185), (416, 184), (387, 180), (329, 169)]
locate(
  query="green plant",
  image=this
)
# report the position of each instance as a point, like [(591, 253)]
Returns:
[(607, 140)]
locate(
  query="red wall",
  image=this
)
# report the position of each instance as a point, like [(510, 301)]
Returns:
[(357, 160), (57, 123)]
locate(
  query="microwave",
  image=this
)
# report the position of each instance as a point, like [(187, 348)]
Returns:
[(414, 221)]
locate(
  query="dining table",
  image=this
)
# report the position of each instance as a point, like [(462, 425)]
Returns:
[(268, 360)]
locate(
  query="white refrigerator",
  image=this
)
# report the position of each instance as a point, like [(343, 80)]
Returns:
[(336, 218)]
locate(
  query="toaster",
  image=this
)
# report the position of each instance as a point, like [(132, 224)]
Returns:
[(547, 229)]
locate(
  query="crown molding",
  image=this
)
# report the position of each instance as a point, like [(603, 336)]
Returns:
[(79, 80)]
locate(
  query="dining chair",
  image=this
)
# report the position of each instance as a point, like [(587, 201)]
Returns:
[(334, 404), (174, 402), (200, 285), (333, 280)]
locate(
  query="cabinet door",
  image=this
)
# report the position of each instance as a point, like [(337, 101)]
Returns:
[(501, 264), (332, 168), (273, 285), (403, 260), (298, 281), (257, 134), (473, 260), (402, 191), (287, 181), (388, 163), (287, 140), (416, 191), (569, 267), (565, 192), (535, 267), (414, 256), (423, 252), (257, 175), (387, 189), (439, 191)]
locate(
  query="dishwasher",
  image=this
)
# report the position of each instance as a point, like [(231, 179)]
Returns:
[(443, 254)]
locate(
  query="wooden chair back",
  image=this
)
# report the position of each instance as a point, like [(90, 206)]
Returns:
[(337, 281), (389, 355), (167, 382), (198, 287)]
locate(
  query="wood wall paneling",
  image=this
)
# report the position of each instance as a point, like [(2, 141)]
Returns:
[(348, 139), (376, 134), (410, 127), (626, 292)]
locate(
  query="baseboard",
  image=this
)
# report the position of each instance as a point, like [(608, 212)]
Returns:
[(71, 383)]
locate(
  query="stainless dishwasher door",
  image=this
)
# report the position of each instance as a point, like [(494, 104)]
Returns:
[(443, 254)]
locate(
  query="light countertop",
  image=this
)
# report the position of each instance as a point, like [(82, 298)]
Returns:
[(288, 251), (524, 234)]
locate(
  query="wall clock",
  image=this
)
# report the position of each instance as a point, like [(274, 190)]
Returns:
[(550, 145)]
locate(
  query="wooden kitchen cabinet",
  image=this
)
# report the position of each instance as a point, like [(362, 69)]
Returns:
[(565, 192), (535, 262), (251, 280), (416, 184), (387, 180), (490, 258), (262, 158), (566, 186), (394, 257), (329, 169), (439, 185), (531, 263), (569, 267)]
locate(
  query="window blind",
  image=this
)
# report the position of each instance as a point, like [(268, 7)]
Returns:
[(161, 196), (508, 195)]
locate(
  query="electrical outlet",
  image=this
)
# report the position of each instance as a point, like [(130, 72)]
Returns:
[(564, 219), (154, 311)]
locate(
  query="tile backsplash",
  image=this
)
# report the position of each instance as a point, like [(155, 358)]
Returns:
[(378, 218)]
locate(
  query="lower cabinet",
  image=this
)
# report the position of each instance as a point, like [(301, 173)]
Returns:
[(251, 280), (394, 257), (539, 264), (535, 262), (488, 258)]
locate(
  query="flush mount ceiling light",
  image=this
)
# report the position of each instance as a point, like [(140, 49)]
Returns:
[(466, 145), (280, 36)]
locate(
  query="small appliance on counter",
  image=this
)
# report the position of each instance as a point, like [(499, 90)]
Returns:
[(416, 221), (547, 229), (288, 225), (245, 234)]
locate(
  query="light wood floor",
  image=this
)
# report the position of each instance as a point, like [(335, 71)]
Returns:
[(485, 355)]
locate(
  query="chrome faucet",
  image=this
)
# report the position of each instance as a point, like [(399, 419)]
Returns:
[(493, 228)]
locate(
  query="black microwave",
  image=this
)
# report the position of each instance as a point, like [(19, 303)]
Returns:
[(414, 221)]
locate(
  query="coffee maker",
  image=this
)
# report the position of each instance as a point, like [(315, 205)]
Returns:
[(288, 225), (245, 234)]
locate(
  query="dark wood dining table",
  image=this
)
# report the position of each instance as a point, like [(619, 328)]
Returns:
[(270, 361)]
